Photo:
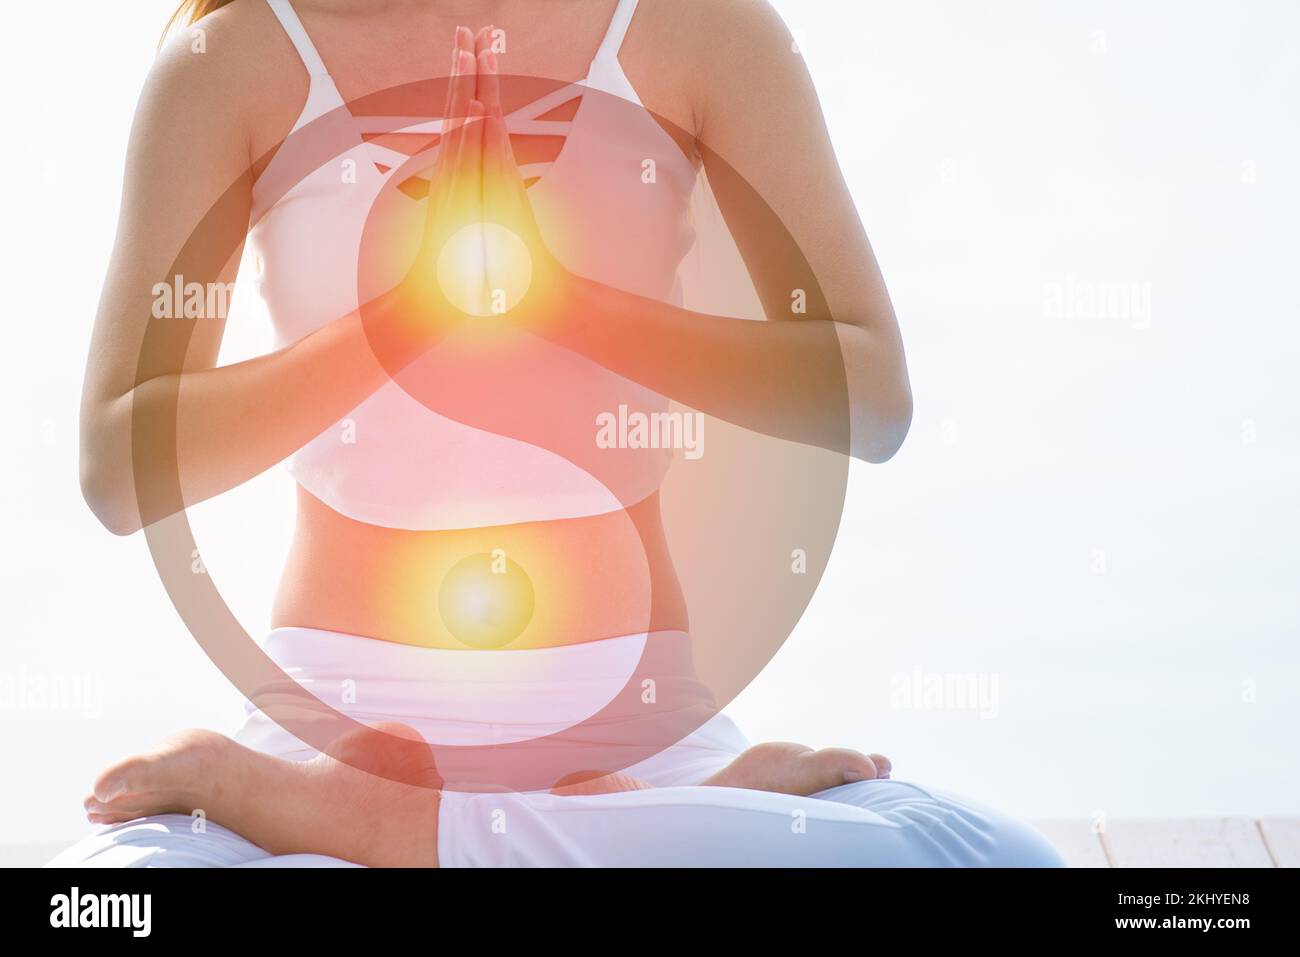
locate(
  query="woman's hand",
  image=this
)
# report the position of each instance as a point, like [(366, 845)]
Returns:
[(526, 279), (481, 253), (420, 311)]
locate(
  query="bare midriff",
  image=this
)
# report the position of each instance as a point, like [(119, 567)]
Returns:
[(531, 585)]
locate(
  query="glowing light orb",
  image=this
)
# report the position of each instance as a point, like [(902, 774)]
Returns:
[(485, 269), (486, 600)]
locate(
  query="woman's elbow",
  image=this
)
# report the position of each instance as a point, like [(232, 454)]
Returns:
[(111, 499), (879, 391), (890, 422)]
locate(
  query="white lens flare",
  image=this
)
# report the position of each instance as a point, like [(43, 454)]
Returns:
[(484, 269)]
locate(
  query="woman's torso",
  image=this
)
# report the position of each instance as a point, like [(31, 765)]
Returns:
[(532, 577)]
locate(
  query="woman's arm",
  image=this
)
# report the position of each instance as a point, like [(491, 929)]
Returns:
[(154, 405), (772, 167)]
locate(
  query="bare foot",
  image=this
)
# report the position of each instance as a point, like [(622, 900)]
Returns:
[(775, 766), (795, 769), (329, 806)]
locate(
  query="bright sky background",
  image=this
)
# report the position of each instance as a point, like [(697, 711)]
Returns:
[(1088, 224)]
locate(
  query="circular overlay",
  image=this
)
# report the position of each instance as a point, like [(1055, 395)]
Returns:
[(463, 279), (714, 525)]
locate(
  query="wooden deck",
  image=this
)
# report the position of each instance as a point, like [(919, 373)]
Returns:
[(1178, 842)]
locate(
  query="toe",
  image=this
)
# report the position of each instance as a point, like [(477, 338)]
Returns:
[(795, 769), (131, 775), (831, 767), (114, 817), (883, 765)]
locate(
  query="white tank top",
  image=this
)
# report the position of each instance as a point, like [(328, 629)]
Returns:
[(392, 461)]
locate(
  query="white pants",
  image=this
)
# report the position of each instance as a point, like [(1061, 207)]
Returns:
[(462, 698)]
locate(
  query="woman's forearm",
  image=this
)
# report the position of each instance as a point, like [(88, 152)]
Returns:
[(217, 428), (815, 381)]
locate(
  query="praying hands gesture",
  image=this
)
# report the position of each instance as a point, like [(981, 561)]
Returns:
[(481, 253)]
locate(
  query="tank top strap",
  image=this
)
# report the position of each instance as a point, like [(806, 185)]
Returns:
[(284, 12), (617, 31)]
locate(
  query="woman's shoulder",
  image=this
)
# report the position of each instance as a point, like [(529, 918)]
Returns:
[(707, 39), (234, 68), (711, 48), (232, 43), (703, 26)]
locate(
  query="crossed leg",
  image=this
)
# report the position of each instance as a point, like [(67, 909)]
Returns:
[(338, 808)]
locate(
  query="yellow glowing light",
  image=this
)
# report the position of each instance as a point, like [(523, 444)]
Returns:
[(485, 269), (486, 600)]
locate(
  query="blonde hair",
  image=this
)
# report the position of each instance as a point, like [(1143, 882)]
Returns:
[(188, 12)]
